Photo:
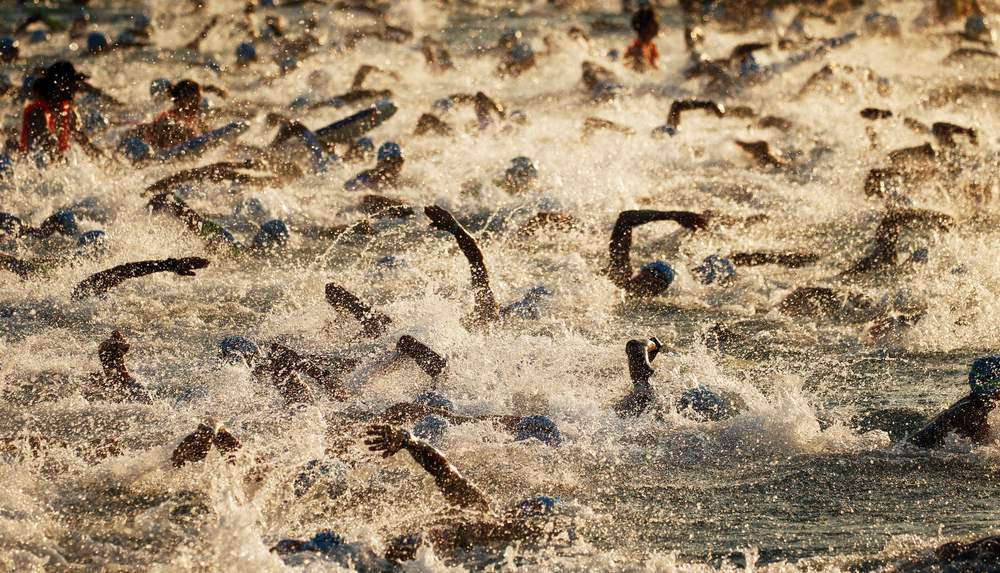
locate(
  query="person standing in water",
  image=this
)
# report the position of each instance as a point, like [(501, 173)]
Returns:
[(643, 53), (49, 124)]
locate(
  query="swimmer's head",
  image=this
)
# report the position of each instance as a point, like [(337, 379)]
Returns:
[(141, 23), (97, 42), (288, 65), (246, 53), (434, 400), (920, 256), (520, 176), (238, 350), (63, 81), (10, 49), (39, 36), (95, 122), (159, 89), (273, 233), (95, 238), (325, 541), (390, 152), (186, 95), (522, 53), (431, 428), (984, 376), (653, 278), (665, 130), (136, 150), (977, 27), (540, 428), (62, 221), (537, 506), (715, 269)]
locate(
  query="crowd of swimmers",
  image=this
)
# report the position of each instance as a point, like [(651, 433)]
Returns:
[(50, 126)]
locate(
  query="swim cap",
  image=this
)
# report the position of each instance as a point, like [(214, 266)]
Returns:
[(324, 542), (614, 54), (97, 42), (390, 262), (160, 88), (62, 221), (271, 233), (443, 104), (213, 65), (91, 238), (141, 22), (523, 167), (984, 376), (431, 428), (39, 37), (136, 149), (665, 130), (715, 269), (705, 403), (245, 53), (300, 102), (287, 65), (976, 26), (364, 144), (434, 400), (236, 349), (920, 256), (536, 506), (522, 53), (9, 49), (541, 428), (660, 270), (390, 150)]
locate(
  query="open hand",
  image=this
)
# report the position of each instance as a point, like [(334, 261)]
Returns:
[(185, 267), (440, 218), (386, 439)]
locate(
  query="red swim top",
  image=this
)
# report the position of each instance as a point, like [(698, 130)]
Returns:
[(644, 53), (59, 124)]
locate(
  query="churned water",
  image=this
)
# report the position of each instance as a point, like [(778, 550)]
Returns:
[(796, 481)]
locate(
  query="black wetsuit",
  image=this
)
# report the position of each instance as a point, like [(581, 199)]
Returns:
[(967, 418)]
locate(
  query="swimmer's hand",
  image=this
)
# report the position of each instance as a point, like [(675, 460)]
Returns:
[(185, 267), (386, 439), (115, 345), (692, 221), (440, 218)]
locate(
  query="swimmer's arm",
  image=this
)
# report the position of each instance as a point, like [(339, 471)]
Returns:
[(216, 172), (100, 283), (23, 269), (487, 309), (924, 216), (455, 487), (432, 363), (786, 259), (373, 323), (620, 268), (680, 106)]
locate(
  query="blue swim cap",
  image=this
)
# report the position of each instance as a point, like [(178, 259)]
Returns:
[(614, 54), (715, 269), (359, 181), (389, 150), (246, 52), (431, 428), (541, 428), (97, 42), (324, 542), (434, 400), (661, 270), (390, 262), (665, 130), (9, 48), (213, 65), (521, 53), (364, 144), (90, 238), (6, 165), (539, 505), (705, 403), (976, 26), (300, 102), (94, 121), (920, 255), (136, 149), (39, 37), (271, 233), (443, 104), (984, 376), (160, 88), (287, 65), (522, 167), (62, 221), (141, 22), (237, 349)]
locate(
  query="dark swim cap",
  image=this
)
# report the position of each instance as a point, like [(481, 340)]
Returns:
[(541, 428), (984, 376)]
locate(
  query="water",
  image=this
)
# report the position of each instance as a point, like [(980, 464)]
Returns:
[(794, 482)]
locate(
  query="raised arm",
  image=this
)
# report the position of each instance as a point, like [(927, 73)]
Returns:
[(455, 487), (680, 106), (373, 323), (117, 378), (620, 267), (640, 354), (102, 282), (487, 311)]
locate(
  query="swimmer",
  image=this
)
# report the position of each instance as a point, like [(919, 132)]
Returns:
[(643, 53), (180, 123), (100, 283), (969, 417), (600, 83), (884, 245), (945, 134), (430, 124), (116, 383), (699, 403), (654, 278), (50, 124), (761, 153), (272, 234), (384, 175)]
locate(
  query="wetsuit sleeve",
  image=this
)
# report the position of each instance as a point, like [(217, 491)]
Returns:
[(455, 487)]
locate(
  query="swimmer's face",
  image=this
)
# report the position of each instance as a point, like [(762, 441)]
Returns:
[(648, 283)]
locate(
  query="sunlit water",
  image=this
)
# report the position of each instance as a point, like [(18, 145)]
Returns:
[(792, 482)]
